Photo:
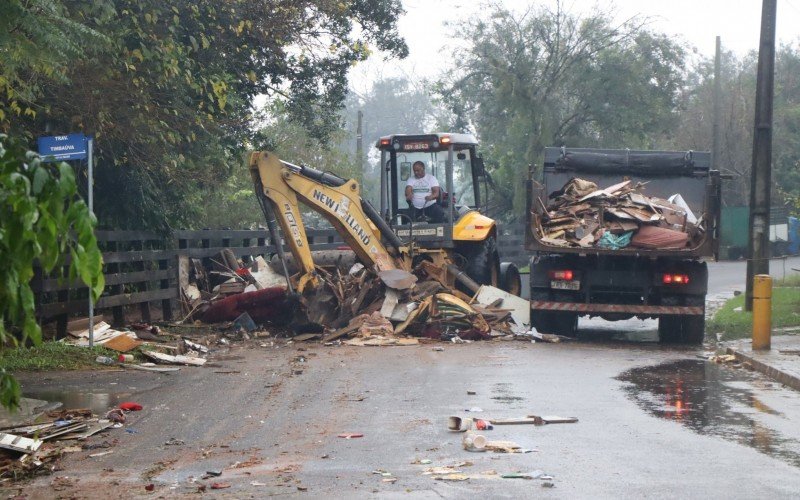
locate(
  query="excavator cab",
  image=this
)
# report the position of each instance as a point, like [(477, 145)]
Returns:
[(469, 236)]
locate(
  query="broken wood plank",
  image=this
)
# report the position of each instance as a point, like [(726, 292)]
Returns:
[(94, 428), (306, 336), (513, 421), (553, 419), (178, 360), (19, 443), (341, 332)]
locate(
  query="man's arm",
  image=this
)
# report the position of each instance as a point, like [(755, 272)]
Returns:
[(434, 193), (409, 193)]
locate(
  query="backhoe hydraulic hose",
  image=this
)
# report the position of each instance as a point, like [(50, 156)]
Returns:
[(334, 180), (463, 278), (326, 178), (381, 224), (269, 215)]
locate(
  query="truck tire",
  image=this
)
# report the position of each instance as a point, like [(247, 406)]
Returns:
[(565, 324), (509, 278), (482, 261), (559, 323), (682, 329)]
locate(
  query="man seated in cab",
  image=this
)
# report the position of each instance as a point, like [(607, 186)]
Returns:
[(422, 194)]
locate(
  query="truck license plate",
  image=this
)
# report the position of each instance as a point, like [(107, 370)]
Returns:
[(566, 285)]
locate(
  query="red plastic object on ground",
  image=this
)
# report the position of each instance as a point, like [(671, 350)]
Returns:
[(128, 406)]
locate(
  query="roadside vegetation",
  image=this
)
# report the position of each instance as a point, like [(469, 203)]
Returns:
[(733, 322), (53, 356)]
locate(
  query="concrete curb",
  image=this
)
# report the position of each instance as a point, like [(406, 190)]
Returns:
[(784, 378)]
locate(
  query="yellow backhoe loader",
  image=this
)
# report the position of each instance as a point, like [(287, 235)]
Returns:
[(468, 259)]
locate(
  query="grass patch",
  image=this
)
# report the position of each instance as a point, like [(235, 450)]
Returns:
[(791, 280), (53, 356), (735, 324)]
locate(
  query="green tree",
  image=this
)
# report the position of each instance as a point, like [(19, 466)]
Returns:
[(694, 126), (42, 220), (548, 77), (234, 202), (38, 42), (394, 105), (169, 101)]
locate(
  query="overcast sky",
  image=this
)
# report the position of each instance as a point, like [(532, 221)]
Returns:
[(698, 22)]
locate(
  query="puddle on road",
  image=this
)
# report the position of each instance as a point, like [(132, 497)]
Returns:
[(710, 400), (502, 391), (98, 402)]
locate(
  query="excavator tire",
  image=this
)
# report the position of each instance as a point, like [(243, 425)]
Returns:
[(482, 261)]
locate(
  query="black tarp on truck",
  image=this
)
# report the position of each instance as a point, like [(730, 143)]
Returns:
[(606, 241)]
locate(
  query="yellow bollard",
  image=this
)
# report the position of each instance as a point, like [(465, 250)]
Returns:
[(762, 311)]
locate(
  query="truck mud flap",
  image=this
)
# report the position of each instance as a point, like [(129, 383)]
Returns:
[(545, 305)]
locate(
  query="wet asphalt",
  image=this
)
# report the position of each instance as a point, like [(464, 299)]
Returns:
[(654, 421)]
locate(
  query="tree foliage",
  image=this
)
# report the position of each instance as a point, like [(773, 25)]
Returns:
[(393, 105), (169, 98), (42, 220), (548, 77), (234, 202)]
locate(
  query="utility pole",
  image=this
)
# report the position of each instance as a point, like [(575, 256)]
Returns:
[(359, 143), (761, 170), (716, 141)]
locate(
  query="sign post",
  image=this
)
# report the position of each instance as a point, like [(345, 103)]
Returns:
[(65, 148)]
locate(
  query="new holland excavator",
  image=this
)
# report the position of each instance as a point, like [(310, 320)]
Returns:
[(463, 248)]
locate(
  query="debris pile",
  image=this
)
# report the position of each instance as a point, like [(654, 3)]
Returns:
[(30, 445), (352, 305), (147, 340), (580, 215)]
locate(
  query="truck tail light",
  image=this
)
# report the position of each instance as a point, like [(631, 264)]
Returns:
[(565, 275), (675, 279)]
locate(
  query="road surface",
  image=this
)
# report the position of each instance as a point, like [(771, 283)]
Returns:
[(654, 421)]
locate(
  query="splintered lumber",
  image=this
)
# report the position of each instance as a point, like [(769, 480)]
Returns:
[(341, 332), (177, 360), (514, 421), (19, 443), (552, 419)]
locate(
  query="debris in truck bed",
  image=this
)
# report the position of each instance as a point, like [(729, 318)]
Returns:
[(582, 215)]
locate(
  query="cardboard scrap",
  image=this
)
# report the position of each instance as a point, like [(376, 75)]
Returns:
[(577, 219), (122, 343)]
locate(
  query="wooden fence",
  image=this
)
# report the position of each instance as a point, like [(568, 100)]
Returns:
[(141, 269)]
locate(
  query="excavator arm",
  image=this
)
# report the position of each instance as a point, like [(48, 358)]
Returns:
[(280, 185)]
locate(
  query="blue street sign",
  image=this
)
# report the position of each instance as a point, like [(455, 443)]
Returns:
[(62, 147)]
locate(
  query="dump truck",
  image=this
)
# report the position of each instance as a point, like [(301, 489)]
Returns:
[(620, 234)]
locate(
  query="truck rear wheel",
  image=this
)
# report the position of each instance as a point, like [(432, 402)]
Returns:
[(687, 329), (682, 329), (559, 323)]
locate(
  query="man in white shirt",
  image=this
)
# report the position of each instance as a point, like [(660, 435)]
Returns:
[(422, 193)]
